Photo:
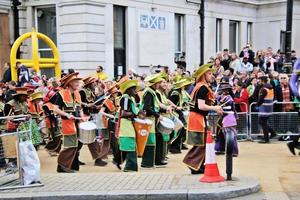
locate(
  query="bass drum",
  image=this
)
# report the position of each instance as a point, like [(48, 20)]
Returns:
[(142, 129)]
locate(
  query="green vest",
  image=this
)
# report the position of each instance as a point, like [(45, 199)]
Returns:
[(177, 93), (155, 99), (133, 105)]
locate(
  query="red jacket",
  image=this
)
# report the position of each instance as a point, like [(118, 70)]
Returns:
[(243, 100)]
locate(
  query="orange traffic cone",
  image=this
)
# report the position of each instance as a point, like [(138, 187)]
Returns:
[(211, 172)]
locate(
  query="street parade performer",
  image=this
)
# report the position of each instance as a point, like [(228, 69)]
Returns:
[(69, 108), (150, 104), (127, 137), (202, 100), (52, 124), (16, 106), (87, 99)]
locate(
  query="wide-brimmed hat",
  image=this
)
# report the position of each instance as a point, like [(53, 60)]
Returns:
[(182, 83), (89, 80), (113, 89), (36, 95), (202, 70), (69, 78), (225, 86), (154, 78), (21, 91), (128, 84)]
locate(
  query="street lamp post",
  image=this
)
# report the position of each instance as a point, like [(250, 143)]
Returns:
[(201, 13), (15, 4), (288, 35)]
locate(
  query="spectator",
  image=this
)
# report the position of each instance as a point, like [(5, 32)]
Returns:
[(23, 74), (287, 94), (218, 66), (246, 66), (226, 59), (279, 61), (259, 60), (235, 63), (7, 73), (251, 87), (11, 90), (100, 74), (247, 52), (242, 97), (277, 90), (293, 57)]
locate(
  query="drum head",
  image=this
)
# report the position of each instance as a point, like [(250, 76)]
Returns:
[(138, 120), (87, 126), (167, 123), (148, 121)]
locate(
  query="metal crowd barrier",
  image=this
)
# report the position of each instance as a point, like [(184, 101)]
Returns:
[(283, 123), (10, 145), (242, 123)]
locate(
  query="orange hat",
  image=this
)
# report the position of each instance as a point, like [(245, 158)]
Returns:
[(71, 77), (113, 89), (89, 80), (21, 91)]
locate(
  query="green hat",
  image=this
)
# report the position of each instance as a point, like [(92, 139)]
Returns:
[(154, 78), (202, 70), (128, 84), (182, 83)]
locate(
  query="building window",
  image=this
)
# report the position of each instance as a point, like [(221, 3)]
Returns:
[(46, 24), (218, 35), (119, 40), (249, 32), (234, 36), (179, 36)]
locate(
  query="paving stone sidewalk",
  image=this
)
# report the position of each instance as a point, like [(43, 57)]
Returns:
[(132, 186)]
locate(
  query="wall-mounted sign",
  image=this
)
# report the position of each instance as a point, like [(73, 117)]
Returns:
[(148, 21)]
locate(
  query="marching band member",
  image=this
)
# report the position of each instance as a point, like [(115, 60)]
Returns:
[(108, 107), (177, 98), (127, 138), (52, 124), (165, 110), (202, 99), (16, 106), (229, 123), (87, 99), (69, 108), (35, 110), (150, 104)]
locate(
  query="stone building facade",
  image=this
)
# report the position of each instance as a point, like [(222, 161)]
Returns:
[(123, 34)]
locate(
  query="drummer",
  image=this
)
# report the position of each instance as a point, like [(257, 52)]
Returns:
[(165, 110), (177, 98), (69, 108), (87, 98), (109, 141), (35, 102), (52, 124), (128, 111), (150, 104), (16, 106), (202, 99)]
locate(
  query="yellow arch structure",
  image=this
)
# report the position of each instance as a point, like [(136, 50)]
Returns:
[(36, 62)]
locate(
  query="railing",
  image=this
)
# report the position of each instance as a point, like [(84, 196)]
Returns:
[(10, 142), (284, 123)]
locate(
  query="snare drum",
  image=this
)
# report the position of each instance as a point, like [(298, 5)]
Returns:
[(165, 126), (177, 123), (87, 132), (142, 129)]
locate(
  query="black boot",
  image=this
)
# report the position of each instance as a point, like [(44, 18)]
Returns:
[(100, 162), (291, 147), (81, 163)]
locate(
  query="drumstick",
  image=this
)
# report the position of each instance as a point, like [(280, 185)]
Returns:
[(107, 115), (225, 102)]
